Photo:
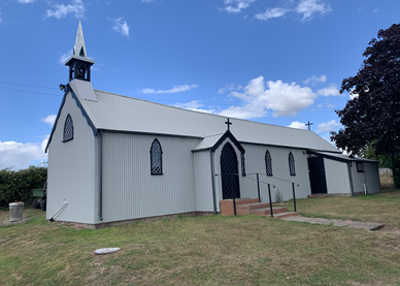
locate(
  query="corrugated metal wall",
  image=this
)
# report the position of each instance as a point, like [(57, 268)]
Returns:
[(337, 177), (372, 174), (204, 192), (255, 163), (129, 189), (359, 178)]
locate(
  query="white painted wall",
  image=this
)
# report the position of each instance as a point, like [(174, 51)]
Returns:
[(337, 177), (71, 172)]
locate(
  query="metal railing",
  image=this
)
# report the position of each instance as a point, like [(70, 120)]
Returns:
[(269, 189), (258, 189)]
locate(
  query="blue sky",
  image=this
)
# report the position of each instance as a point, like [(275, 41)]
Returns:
[(273, 61)]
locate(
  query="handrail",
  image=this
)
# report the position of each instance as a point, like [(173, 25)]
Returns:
[(271, 210), (280, 179)]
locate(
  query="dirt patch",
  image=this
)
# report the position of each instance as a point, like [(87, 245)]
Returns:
[(391, 229)]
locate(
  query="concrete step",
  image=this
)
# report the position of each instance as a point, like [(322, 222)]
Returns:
[(267, 211), (285, 214)]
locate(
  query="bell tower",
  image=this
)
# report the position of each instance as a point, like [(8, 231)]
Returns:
[(79, 64)]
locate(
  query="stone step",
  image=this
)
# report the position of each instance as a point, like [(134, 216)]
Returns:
[(285, 214), (267, 211)]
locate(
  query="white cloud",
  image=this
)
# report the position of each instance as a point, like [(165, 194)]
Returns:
[(20, 155), (353, 94), (60, 11), (64, 57), (1, 19), (26, 1), (327, 126), (272, 13), (121, 26), (49, 119), (175, 89), (282, 98), (298, 125), (236, 6), (229, 87), (330, 90), (309, 8), (147, 1), (315, 79), (194, 105)]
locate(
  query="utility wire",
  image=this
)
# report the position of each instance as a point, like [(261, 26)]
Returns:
[(329, 129), (21, 84), (24, 91)]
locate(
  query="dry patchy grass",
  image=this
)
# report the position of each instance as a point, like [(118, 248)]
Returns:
[(386, 181), (212, 250), (382, 207)]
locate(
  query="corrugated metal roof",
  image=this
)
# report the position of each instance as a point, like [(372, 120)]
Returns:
[(127, 114), (345, 157)]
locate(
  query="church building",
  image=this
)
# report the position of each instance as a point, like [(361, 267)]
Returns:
[(114, 158)]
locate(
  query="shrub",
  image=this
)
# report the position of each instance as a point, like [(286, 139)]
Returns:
[(18, 185), (278, 196)]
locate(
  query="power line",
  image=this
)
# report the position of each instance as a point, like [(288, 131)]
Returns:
[(24, 91), (21, 84), (329, 129)]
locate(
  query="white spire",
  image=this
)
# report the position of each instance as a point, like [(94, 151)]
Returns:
[(80, 48)]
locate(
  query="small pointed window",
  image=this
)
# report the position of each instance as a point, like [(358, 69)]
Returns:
[(292, 169), (242, 163), (68, 129), (156, 158), (268, 163)]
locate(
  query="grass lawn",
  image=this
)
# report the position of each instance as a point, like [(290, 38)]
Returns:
[(212, 250)]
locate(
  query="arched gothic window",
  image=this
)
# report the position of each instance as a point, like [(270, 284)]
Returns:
[(68, 129), (291, 165), (268, 163), (156, 158)]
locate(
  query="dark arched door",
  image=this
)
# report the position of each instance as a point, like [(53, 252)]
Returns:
[(229, 173)]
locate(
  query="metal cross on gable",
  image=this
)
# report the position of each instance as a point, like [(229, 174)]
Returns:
[(228, 123), (309, 125)]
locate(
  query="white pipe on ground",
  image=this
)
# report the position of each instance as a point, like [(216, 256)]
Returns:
[(61, 208)]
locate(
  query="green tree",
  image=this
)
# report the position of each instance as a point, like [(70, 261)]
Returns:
[(372, 117)]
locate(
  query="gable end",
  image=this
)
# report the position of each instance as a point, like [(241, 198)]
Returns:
[(83, 111)]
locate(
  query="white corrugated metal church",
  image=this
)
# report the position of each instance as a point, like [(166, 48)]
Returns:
[(116, 158)]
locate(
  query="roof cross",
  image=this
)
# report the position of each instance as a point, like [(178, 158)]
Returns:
[(228, 123), (309, 124)]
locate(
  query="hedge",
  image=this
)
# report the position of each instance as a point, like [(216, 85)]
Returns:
[(18, 185)]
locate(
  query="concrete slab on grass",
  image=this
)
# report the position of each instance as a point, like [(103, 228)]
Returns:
[(336, 222)]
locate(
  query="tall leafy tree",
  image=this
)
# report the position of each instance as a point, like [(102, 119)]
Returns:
[(372, 117)]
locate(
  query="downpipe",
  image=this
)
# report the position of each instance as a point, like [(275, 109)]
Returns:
[(58, 211)]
